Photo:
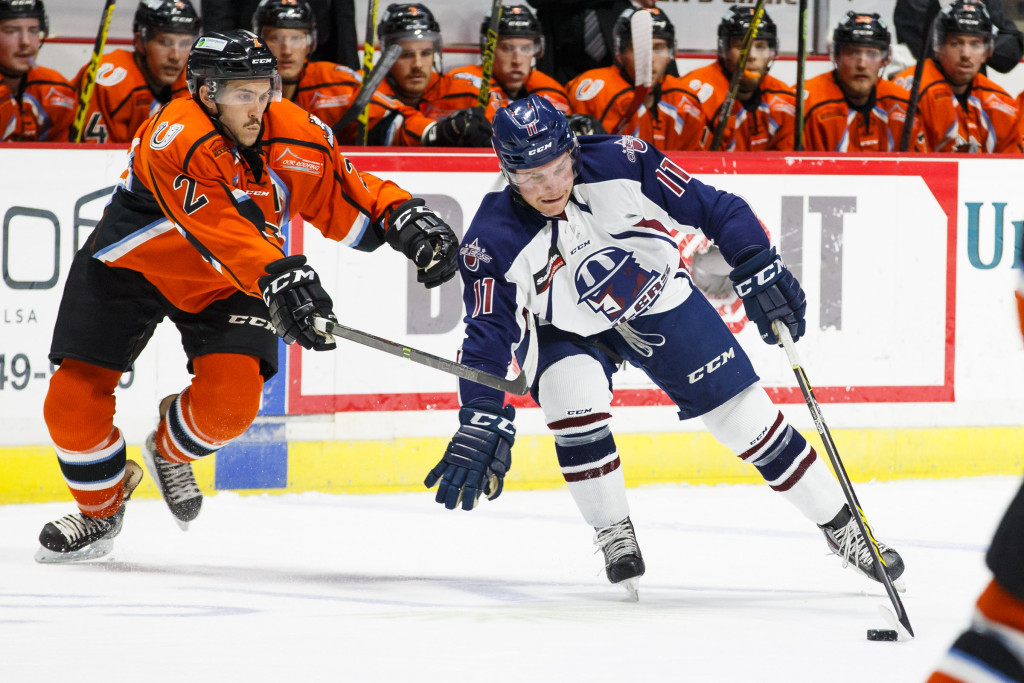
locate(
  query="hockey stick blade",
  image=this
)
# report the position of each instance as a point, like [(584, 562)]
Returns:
[(641, 28), (782, 332), (371, 82), (518, 386)]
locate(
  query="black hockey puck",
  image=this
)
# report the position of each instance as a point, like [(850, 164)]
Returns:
[(882, 634)]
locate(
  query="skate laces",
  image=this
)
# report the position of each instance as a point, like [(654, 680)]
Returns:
[(617, 541), (177, 479), (851, 545), (77, 526)]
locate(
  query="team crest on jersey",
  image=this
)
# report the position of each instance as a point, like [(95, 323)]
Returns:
[(110, 74), (55, 98), (164, 133), (631, 145), (320, 101), (289, 160), (472, 254), (588, 89), (612, 282)]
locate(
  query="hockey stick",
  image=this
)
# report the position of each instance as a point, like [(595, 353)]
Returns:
[(915, 88), (737, 74), (88, 83), (517, 386), (640, 33), (371, 81), (801, 69), (782, 332), (487, 59), (369, 41)]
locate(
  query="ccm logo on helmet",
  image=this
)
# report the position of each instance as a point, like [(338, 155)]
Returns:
[(265, 60), (539, 149)]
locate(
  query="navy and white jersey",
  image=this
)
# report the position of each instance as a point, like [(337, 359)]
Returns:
[(612, 256)]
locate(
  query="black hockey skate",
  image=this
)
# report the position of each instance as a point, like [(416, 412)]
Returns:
[(845, 540), (623, 562), (77, 537), (175, 481)]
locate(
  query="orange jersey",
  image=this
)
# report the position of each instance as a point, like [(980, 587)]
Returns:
[(45, 111), (536, 83), (676, 122), (446, 95), (121, 99), (8, 112), (832, 125), (200, 220), (983, 120), (770, 125), (328, 90)]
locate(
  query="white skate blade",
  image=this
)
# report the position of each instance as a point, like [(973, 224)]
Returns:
[(94, 550), (632, 587), (181, 525), (899, 585)]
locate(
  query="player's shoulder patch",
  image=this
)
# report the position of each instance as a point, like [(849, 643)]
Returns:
[(631, 146), (109, 74), (588, 88), (473, 255), (296, 159)]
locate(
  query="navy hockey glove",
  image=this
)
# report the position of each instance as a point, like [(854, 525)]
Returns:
[(426, 240), (465, 128), (770, 292), (292, 291), (477, 458)]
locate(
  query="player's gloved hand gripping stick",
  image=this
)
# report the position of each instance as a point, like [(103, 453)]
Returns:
[(770, 292), (425, 239)]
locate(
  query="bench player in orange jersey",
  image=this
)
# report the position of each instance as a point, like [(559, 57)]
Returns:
[(763, 115), (195, 232), (961, 110), (669, 118), (327, 89), (132, 84), (417, 79), (520, 44), (852, 108), (43, 100)]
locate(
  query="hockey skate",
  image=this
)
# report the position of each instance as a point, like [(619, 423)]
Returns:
[(175, 481), (77, 537), (845, 540), (623, 562)]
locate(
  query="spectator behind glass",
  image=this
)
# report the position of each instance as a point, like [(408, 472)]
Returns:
[(335, 20), (911, 19)]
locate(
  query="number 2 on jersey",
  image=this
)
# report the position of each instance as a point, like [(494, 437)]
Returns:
[(191, 203)]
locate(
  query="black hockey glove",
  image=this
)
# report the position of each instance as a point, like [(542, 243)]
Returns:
[(426, 240), (585, 124), (465, 128), (477, 457), (292, 291), (770, 292)]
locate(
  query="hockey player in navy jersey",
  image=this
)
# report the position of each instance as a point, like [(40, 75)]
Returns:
[(585, 240)]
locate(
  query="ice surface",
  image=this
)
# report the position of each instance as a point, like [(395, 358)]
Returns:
[(312, 587)]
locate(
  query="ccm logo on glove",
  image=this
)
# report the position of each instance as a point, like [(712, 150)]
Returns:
[(746, 288)]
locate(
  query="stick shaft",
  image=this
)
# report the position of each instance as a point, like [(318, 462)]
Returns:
[(371, 81), (737, 74), (641, 37), (801, 71), (487, 59), (782, 332), (915, 88), (88, 83), (369, 41)]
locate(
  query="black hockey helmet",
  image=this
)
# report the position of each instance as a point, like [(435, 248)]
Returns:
[(867, 30), (234, 55), (167, 16), (736, 23), (25, 9), (408, 21), (661, 27), (965, 17), (285, 14), (517, 21)]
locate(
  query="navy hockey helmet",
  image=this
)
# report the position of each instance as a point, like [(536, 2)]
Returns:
[(661, 27), (867, 30), (285, 14), (233, 55), (25, 9), (166, 16), (965, 17), (736, 23), (517, 21), (529, 133)]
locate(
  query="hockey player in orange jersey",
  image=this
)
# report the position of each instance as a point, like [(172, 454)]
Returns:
[(763, 115), (416, 80), (520, 44), (42, 102), (670, 116), (961, 110), (196, 232), (852, 108), (327, 89), (132, 84)]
